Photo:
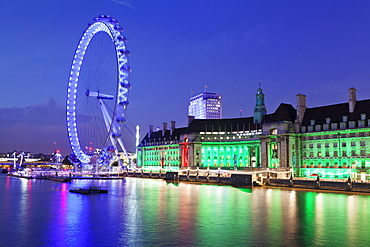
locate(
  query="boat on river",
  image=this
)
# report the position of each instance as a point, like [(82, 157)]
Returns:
[(88, 190)]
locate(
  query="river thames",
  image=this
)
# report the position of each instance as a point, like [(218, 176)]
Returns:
[(152, 212)]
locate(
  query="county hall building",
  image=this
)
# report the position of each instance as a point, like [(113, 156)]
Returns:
[(331, 141)]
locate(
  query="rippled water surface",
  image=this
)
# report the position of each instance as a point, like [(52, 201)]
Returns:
[(149, 212)]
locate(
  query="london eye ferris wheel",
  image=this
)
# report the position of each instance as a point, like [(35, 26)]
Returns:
[(97, 95)]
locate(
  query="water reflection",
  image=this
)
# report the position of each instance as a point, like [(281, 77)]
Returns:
[(146, 212)]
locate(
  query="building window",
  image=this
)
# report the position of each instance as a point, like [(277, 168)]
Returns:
[(334, 126), (317, 127), (335, 144), (351, 124), (312, 122), (310, 128), (319, 154), (353, 152), (335, 153), (327, 120), (344, 144), (311, 145), (363, 116), (326, 144), (325, 126), (318, 145), (274, 151), (353, 144), (344, 118), (362, 143), (361, 123), (311, 154), (327, 154), (363, 152), (273, 132), (343, 125), (362, 134), (303, 128)]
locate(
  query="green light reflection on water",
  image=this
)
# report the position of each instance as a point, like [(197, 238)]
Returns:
[(208, 215), (223, 216)]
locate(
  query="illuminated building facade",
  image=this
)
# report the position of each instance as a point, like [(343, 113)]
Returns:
[(330, 141), (160, 149), (205, 106), (226, 143), (335, 140)]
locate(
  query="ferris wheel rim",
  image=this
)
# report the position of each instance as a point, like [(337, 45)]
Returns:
[(110, 26)]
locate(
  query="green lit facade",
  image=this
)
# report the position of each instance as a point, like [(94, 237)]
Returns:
[(164, 156), (160, 149), (336, 154), (227, 150), (237, 155)]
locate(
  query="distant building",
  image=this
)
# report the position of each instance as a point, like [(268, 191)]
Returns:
[(206, 106)]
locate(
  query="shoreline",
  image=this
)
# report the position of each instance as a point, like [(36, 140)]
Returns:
[(340, 187), (317, 190)]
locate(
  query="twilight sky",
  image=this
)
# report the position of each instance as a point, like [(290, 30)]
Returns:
[(318, 48)]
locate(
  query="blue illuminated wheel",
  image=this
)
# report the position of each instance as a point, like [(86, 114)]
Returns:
[(97, 95)]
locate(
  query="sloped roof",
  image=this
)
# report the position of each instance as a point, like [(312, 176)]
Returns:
[(336, 112), (157, 135), (227, 124), (285, 112)]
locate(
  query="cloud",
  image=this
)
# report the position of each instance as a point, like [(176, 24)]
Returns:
[(123, 3), (33, 128)]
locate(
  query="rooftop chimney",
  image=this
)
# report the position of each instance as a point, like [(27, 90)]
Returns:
[(173, 124), (301, 107), (352, 99), (164, 129), (150, 131)]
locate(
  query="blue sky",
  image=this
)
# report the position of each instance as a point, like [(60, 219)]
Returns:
[(318, 48)]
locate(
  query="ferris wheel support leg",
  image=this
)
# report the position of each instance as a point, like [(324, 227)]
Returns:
[(107, 121), (123, 147)]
